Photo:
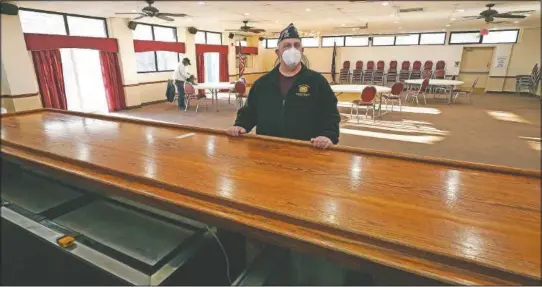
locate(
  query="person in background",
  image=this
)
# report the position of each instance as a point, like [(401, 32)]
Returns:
[(291, 101), (180, 75)]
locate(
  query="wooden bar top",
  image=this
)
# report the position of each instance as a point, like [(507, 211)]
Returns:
[(456, 222)]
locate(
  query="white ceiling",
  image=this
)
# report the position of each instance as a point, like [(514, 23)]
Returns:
[(309, 16)]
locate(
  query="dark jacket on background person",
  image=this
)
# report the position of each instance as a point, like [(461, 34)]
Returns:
[(308, 111), (170, 91)]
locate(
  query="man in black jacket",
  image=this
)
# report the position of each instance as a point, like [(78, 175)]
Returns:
[(291, 101)]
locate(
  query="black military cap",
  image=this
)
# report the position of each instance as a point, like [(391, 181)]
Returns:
[(289, 33)]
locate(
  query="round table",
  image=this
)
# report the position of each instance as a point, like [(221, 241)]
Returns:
[(438, 82), (214, 87), (356, 91)]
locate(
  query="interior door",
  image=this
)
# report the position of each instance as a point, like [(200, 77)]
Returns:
[(475, 63)]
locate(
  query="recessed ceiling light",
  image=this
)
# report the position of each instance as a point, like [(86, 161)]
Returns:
[(134, 11), (395, 22), (448, 25), (343, 25), (246, 14), (515, 22), (354, 29), (453, 19), (308, 9), (460, 10), (400, 27), (189, 19), (201, 3), (391, 15), (443, 30), (385, 3), (277, 21)]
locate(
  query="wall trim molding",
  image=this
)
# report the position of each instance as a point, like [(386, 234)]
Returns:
[(253, 73), (144, 83), (20, 96), (145, 104)]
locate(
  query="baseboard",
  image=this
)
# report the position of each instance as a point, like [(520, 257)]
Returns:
[(153, 102), (511, 92)]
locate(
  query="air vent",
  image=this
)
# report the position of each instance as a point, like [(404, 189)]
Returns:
[(411, 10)]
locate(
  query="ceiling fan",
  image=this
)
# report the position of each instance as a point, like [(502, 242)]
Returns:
[(247, 29), (355, 28), (489, 15), (151, 11)]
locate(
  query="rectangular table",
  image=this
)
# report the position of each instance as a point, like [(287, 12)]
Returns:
[(457, 222)]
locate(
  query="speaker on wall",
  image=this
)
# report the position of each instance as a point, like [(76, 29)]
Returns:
[(132, 25), (9, 9), (192, 30), (261, 38), (230, 35)]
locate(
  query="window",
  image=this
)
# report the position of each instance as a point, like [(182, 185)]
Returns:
[(206, 37), (310, 42), (383, 40), (433, 38), (412, 39), (241, 43), (156, 61), (356, 41), (263, 43), (165, 34), (330, 41), (272, 43), (503, 36), (44, 22), (465, 37)]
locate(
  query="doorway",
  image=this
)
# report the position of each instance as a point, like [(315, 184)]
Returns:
[(85, 90), (475, 64), (212, 67)]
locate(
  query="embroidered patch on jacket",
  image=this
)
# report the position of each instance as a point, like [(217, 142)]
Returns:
[(303, 91)]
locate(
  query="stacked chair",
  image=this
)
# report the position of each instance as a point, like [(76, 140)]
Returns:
[(368, 73), (416, 72), (378, 76), (391, 75), (404, 73), (344, 74), (528, 82), (357, 73)]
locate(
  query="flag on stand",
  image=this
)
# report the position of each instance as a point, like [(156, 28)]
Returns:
[(333, 72), (241, 62)]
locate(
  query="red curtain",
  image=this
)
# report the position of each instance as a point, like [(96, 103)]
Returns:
[(36, 42), (223, 75), (48, 66), (144, 46), (200, 65), (112, 81)]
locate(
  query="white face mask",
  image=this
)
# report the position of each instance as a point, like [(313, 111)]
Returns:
[(291, 57)]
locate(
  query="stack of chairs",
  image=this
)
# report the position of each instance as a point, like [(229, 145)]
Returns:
[(368, 73), (404, 73), (344, 74), (378, 76), (391, 75), (441, 65), (529, 82), (416, 72), (357, 73)]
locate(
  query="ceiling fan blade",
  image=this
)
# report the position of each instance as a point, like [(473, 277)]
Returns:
[(257, 30), (128, 14), (233, 30), (166, 18), (472, 17), (509, 16), (139, 17), (520, 11), (173, 14)]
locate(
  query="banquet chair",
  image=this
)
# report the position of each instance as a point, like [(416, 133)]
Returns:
[(378, 76), (344, 73), (404, 73), (529, 82), (357, 73), (441, 65), (458, 92), (440, 75), (391, 75), (232, 91), (240, 92), (368, 73), (416, 72), (395, 95), (428, 65), (419, 92), (191, 94), (367, 100)]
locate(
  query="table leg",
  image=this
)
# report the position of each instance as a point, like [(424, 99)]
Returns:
[(216, 97)]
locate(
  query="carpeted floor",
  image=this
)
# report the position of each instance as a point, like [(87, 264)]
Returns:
[(499, 129)]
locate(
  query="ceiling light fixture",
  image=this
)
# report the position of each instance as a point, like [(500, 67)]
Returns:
[(201, 3), (391, 15), (308, 9), (515, 22), (343, 25), (385, 3), (453, 19), (448, 25), (443, 30), (460, 10), (134, 11), (395, 22), (400, 27), (246, 14)]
